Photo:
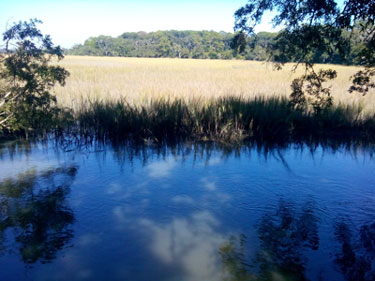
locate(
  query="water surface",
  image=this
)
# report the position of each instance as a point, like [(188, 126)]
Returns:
[(191, 212)]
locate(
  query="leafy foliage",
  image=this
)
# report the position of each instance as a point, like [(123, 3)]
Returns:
[(309, 90), (314, 30), (26, 79), (362, 81)]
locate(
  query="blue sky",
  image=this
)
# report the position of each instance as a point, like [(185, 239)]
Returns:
[(70, 22)]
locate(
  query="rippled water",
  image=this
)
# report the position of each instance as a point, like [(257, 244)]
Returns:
[(186, 213)]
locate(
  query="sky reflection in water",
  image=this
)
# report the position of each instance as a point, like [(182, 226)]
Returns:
[(186, 213)]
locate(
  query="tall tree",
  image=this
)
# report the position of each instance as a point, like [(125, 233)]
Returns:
[(313, 27)]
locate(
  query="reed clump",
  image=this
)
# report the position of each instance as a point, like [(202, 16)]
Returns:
[(227, 119)]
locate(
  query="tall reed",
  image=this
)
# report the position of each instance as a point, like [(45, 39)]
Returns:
[(227, 119)]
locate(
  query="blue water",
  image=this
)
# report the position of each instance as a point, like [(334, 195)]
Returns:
[(191, 212)]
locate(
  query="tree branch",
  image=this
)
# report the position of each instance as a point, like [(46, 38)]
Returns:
[(2, 122)]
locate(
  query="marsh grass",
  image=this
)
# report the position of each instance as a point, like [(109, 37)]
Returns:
[(142, 80), (228, 120), (158, 100)]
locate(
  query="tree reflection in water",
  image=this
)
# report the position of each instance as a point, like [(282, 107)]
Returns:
[(283, 235), (356, 258), (34, 213)]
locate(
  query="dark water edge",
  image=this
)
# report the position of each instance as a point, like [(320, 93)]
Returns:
[(232, 120), (84, 210)]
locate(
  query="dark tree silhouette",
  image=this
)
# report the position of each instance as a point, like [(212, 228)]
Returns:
[(313, 27), (34, 207), (357, 256), (283, 235)]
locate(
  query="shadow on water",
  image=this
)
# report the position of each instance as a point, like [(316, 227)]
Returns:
[(129, 150), (283, 234), (203, 150), (14, 148), (356, 258), (35, 219)]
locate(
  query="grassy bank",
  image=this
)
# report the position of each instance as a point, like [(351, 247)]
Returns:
[(230, 119)]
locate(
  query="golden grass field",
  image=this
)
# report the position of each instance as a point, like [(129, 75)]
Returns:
[(142, 79)]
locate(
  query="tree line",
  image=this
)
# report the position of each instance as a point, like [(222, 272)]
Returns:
[(173, 44), (203, 45)]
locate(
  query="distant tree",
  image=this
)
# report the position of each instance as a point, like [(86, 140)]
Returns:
[(26, 78), (105, 44), (314, 29), (213, 55), (164, 45), (239, 42), (175, 44)]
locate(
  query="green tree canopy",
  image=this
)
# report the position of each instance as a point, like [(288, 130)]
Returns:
[(312, 29), (26, 78)]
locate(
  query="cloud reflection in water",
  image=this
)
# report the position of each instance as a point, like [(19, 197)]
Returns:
[(208, 185), (161, 169), (188, 243)]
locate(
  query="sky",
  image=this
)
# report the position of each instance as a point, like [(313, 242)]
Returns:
[(71, 22)]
